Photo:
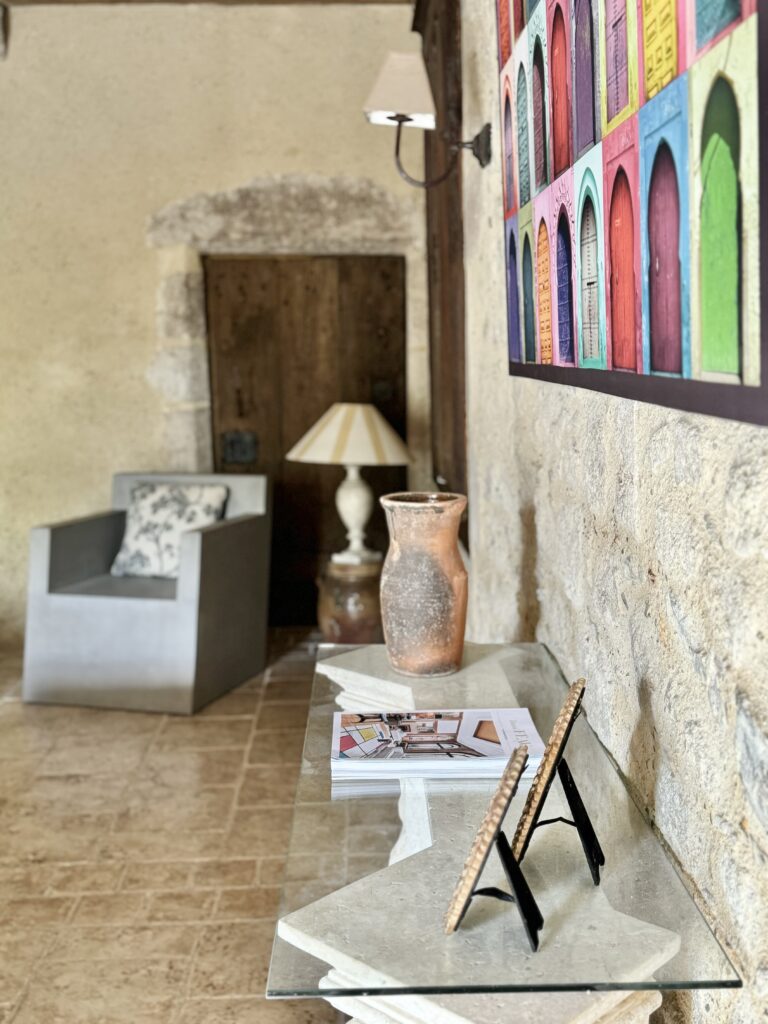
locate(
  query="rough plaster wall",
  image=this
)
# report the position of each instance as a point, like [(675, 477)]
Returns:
[(632, 540), (109, 114)]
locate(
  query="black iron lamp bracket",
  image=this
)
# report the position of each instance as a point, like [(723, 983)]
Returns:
[(480, 147)]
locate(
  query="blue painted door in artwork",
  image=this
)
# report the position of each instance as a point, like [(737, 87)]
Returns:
[(513, 302), (530, 325), (564, 291)]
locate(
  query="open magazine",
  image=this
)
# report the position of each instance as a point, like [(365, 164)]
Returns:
[(470, 743)]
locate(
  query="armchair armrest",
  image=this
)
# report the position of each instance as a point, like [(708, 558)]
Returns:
[(213, 557), (65, 553)]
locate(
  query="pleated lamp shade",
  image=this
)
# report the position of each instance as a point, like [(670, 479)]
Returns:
[(351, 434)]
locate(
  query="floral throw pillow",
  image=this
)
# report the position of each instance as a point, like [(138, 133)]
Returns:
[(156, 518)]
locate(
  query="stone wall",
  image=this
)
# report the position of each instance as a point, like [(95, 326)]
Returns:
[(134, 137), (633, 540)]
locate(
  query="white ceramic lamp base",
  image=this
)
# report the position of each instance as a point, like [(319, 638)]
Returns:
[(354, 503)]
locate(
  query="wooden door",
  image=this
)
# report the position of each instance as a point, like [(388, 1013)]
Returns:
[(584, 77), (509, 175), (544, 291), (523, 151), (513, 302), (564, 292), (720, 249), (659, 44), (664, 265), (622, 247), (561, 107), (616, 56), (528, 313), (712, 16), (539, 119), (288, 337), (590, 294)]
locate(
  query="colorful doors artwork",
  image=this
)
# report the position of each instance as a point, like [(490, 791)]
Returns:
[(584, 77), (712, 16), (659, 44), (539, 119), (544, 290), (561, 128), (523, 155), (664, 265), (616, 56), (720, 233), (621, 244), (513, 302), (564, 291), (509, 181), (528, 317), (590, 323)]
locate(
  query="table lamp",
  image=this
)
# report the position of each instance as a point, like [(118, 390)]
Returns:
[(352, 435)]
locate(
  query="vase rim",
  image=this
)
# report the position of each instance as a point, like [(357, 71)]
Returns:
[(422, 499)]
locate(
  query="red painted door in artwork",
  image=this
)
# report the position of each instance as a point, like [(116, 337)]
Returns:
[(664, 265), (621, 243), (505, 38), (561, 128), (539, 119), (519, 16)]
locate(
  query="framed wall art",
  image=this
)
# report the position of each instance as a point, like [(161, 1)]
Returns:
[(635, 162)]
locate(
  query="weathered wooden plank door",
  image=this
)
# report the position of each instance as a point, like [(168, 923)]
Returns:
[(659, 44), (720, 238), (664, 265), (622, 247), (513, 302), (523, 150), (616, 56), (528, 312), (584, 80), (561, 107), (539, 119), (712, 16), (590, 316), (289, 336), (564, 292), (544, 289), (509, 172)]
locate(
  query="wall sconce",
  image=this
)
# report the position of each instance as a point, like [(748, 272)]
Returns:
[(402, 96)]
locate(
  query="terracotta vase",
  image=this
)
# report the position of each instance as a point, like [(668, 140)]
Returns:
[(424, 583)]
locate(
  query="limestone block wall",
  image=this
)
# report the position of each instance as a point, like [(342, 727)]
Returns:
[(633, 540), (135, 137)]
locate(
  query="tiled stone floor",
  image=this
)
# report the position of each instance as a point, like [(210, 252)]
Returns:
[(141, 855)]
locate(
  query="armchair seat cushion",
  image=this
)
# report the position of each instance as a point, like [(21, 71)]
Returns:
[(107, 585), (158, 514)]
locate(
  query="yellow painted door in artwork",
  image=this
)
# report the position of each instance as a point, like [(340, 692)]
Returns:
[(659, 44), (544, 290)]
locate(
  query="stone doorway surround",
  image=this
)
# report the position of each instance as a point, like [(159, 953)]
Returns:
[(289, 214)]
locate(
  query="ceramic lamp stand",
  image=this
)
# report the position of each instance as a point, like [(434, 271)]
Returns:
[(354, 503)]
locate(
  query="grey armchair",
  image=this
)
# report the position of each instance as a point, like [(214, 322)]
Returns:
[(144, 643)]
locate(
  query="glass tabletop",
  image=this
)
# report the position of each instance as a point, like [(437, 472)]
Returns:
[(372, 866)]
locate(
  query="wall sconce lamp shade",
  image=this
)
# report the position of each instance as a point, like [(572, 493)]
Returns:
[(402, 96), (403, 89), (352, 435)]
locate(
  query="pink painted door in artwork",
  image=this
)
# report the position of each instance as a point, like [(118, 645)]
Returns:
[(561, 121), (621, 244), (590, 322), (664, 265), (616, 56)]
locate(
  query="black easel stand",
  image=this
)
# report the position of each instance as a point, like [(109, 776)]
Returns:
[(521, 894)]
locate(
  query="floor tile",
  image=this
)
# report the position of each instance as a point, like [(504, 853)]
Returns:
[(242, 904), (110, 908), (35, 910), (121, 942), (232, 959), (157, 875), (180, 906), (260, 831), (254, 1010), (282, 715), (226, 873), (200, 732), (237, 703), (268, 784), (279, 746)]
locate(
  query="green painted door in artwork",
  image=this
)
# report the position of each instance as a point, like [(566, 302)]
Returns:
[(720, 241)]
